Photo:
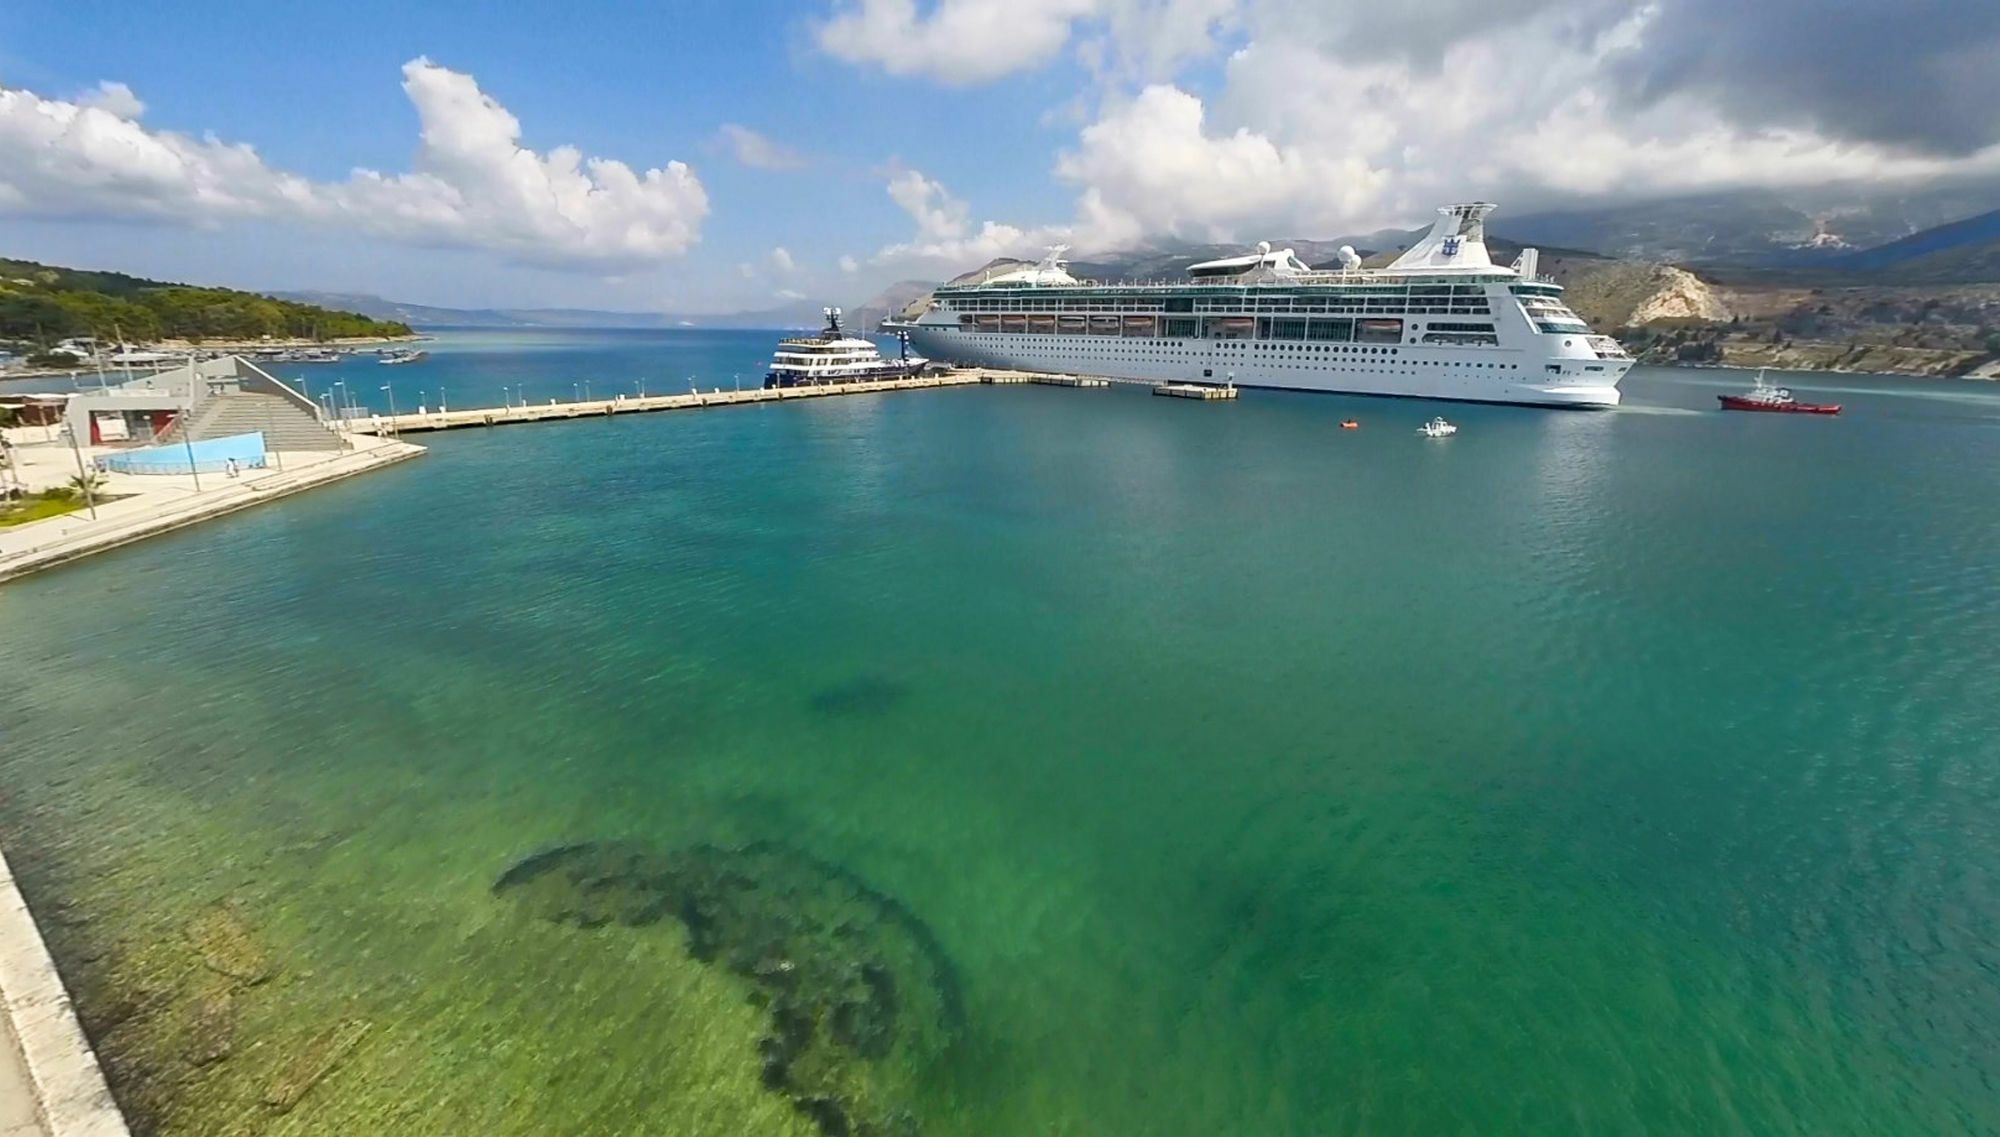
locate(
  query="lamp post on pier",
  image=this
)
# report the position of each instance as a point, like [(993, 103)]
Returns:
[(390, 388)]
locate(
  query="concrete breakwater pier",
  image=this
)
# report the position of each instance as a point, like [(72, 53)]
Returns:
[(632, 404), (50, 1083), (715, 397)]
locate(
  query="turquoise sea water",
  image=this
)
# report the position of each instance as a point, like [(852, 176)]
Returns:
[(1624, 772)]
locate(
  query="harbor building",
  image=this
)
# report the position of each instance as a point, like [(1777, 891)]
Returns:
[(198, 402)]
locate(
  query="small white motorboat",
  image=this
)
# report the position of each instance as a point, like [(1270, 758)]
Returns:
[(1437, 428)]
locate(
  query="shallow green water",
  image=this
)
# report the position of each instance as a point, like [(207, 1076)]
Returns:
[(1584, 772)]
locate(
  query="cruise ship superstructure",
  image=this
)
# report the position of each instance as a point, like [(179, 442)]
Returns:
[(1441, 322)]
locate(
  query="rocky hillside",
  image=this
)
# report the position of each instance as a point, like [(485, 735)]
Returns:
[(1622, 294), (1906, 330), (43, 304)]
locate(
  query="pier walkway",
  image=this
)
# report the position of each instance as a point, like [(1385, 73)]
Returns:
[(633, 404)]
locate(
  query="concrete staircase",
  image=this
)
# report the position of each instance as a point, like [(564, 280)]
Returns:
[(286, 426)]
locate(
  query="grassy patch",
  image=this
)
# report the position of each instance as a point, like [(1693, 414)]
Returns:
[(35, 507)]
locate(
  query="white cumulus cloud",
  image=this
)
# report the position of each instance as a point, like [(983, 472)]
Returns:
[(955, 41), (114, 98), (849, 265), (1333, 117), (757, 151), (945, 239), (781, 262), (1311, 133), (964, 42), (472, 183)]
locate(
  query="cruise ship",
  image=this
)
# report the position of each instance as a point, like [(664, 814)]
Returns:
[(833, 356), (1441, 322)]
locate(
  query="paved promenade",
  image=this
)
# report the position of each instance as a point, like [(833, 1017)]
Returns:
[(159, 503)]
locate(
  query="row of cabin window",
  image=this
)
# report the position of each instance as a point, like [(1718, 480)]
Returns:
[(1391, 301), (1384, 307), (1197, 327)]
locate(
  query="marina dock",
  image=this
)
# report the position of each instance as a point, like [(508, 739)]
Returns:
[(1068, 381), (1194, 391)]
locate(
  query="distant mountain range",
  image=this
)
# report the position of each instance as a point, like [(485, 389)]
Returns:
[(802, 314), (1764, 248), (1756, 228), (1961, 252)]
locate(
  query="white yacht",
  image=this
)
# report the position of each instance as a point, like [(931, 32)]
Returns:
[(1442, 322), (1437, 428), (833, 356)]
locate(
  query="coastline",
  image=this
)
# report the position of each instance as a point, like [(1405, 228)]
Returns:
[(165, 504), (222, 346), (1985, 373), (252, 345)]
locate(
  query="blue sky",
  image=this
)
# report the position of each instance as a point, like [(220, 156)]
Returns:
[(317, 93), (916, 137)]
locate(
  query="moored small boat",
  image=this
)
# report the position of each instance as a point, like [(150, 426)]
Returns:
[(1765, 397), (1437, 428)]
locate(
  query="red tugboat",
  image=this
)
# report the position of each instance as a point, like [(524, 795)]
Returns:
[(1764, 397)]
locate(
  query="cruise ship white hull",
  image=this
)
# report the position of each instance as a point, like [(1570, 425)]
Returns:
[(1440, 322), (1479, 375)]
